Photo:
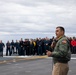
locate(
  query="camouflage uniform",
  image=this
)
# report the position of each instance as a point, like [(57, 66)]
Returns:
[(61, 55)]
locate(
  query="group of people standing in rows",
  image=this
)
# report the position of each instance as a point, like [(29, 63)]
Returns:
[(32, 46), (28, 47)]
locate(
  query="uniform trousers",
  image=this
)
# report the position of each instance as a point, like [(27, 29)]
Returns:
[(60, 69)]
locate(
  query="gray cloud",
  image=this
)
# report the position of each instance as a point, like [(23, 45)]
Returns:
[(33, 16)]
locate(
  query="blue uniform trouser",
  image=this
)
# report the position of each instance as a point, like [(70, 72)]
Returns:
[(74, 49), (8, 50), (39, 50), (1, 53)]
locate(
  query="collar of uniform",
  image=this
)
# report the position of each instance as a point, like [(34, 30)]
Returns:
[(60, 37)]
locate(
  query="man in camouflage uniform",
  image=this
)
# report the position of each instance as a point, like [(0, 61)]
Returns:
[(61, 54)]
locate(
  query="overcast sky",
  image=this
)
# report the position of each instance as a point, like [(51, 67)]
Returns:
[(37, 16)]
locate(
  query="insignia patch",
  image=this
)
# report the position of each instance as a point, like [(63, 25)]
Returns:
[(64, 41)]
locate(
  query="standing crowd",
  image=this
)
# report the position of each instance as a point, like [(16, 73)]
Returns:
[(28, 47), (32, 47)]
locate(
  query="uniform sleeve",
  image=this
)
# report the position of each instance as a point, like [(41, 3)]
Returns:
[(62, 50)]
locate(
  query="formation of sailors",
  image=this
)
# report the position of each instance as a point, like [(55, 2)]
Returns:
[(28, 47), (32, 47)]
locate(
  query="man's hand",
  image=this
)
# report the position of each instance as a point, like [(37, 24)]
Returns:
[(48, 53)]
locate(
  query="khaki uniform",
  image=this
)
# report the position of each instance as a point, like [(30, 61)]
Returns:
[(61, 55)]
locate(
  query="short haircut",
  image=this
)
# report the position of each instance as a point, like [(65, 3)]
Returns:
[(61, 28)]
